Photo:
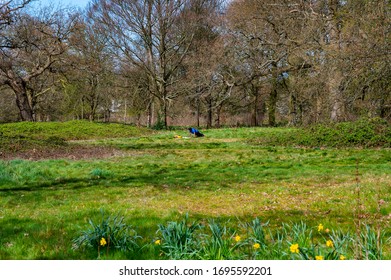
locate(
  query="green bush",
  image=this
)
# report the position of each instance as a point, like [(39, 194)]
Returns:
[(362, 133)]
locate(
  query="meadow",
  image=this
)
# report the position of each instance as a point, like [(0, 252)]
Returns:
[(81, 190)]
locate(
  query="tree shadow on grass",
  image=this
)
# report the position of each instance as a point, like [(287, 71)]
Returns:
[(158, 178)]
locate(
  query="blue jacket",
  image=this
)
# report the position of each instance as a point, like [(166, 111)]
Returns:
[(192, 130)]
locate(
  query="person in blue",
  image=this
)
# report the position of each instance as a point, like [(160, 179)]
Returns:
[(194, 132)]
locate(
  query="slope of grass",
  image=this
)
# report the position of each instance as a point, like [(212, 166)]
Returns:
[(27, 136), (45, 204), (362, 133), (71, 130)]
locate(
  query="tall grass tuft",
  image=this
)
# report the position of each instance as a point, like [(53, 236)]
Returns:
[(98, 173), (178, 240), (371, 243), (110, 233), (222, 244), (256, 232)]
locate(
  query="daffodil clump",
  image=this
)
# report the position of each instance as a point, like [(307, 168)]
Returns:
[(315, 249), (110, 233), (215, 241)]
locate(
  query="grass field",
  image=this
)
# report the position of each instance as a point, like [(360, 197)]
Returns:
[(151, 178)]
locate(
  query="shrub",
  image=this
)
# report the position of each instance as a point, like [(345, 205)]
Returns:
[(362, 133)]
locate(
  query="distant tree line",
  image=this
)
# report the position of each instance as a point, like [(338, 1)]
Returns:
[(196, 62)]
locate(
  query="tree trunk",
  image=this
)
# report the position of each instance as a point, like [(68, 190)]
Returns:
[(292, 109), (198, 112), (150, 113), (26, 112), (82, 108), (125, 111), (22, 101), (254, 111), (295, 117), (318, 111), (334, 48), (336, 96), (257, 111), (162, 93), (210, 113), (272, 107), (165, 113), (218, 116)]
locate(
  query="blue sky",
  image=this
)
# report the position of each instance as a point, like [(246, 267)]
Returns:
[(65, 3)]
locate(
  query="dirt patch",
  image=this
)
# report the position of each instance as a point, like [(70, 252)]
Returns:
[(73, 152)]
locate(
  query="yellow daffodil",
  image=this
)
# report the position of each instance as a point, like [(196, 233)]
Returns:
[(319, 258), (342, 257), (158, 242), (237, 238), (294, 248), (103, 242), (320, 227), (256, 246), (329, 244)]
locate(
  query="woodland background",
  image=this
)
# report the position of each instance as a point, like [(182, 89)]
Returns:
[(210, 63)]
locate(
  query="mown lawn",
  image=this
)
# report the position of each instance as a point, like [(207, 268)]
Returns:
[(154, 178)]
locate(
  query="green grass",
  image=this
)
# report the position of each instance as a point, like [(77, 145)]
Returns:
[(71, 130), (27, 136), (362, 133), (230, 176)]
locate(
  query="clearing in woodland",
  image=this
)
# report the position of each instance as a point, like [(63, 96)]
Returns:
[(56, 177)]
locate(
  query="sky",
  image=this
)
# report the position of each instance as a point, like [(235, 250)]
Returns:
[(64, 3)]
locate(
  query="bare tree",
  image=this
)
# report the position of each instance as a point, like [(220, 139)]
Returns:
[(264, 34), (367, 57), (204, 85), (153, 35), (9, 9), (29, 47), (91, 69)]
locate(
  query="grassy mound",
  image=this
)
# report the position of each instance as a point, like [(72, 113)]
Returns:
[(363, 133), (73, 130), (15, 137)]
